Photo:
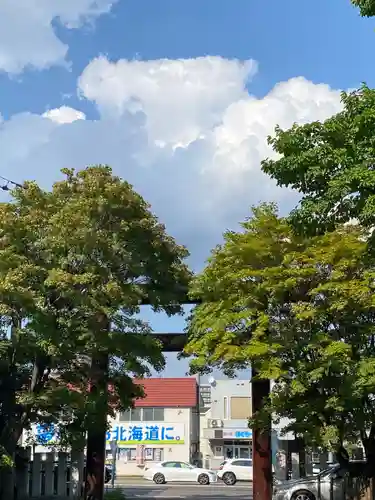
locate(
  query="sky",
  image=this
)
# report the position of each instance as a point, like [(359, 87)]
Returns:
[(177, 96)]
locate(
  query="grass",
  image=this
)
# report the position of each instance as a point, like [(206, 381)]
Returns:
[(115, 494)]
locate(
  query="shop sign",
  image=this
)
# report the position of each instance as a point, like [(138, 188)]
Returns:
[(228, 434), (237, 434), (139, 433), (243, 434), (146, 433)]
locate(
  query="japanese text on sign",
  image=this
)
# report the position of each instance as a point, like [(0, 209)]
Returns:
[(146, 433)]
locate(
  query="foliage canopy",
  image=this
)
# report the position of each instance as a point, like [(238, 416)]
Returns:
[(90, 247), (332, 164), (366, 7), (301, 311)]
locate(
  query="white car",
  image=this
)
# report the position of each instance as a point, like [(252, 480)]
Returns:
[(169, 471), (236, 469)]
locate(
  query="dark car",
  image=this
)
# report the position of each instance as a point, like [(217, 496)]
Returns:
[(333, 483), (108, 471)]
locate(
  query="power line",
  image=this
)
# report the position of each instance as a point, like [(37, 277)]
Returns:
[(5, 187)]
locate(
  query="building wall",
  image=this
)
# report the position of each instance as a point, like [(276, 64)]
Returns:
[(221, 393), (186, 419), (205, 396), (204, 442), (213, 447), (127, 463)]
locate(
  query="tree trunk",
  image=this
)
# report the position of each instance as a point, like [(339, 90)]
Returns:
[(7, 483), (15, 423), (11, 436)]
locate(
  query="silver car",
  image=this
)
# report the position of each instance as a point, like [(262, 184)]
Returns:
[(334, 483)]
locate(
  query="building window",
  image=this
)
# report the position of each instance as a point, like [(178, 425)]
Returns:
[(136, 414), (205, 394), (153, 415), (131, 415), (240, 408), (125, 416), (148, 414), (159, 414), (154, 454), (218, 451), (150, 454), (142, 414), (225, 408)]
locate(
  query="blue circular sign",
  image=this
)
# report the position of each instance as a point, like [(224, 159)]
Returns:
[(45, 433)]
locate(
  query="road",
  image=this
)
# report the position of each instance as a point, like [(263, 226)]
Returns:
[(141, 490)]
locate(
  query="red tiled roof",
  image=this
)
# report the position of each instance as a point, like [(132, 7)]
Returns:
[(168, 392)]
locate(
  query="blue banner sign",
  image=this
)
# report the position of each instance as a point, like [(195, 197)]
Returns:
[(146, 433), (243, 434)]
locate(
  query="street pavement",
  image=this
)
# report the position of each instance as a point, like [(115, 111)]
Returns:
[(145, 490)]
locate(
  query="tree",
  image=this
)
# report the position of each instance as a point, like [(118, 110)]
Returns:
[(331, 164), (366, 7), (301, 311), (88, 249)]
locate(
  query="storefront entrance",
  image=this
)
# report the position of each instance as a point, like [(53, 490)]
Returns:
[(237, 449)]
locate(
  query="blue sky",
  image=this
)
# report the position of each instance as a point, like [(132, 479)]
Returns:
[(178, 97)]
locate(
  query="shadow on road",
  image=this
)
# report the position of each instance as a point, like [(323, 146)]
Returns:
[(155, 492)]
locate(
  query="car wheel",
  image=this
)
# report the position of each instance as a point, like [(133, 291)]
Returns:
[(203, 479), (159, 478), (303, 495), (230, 479)]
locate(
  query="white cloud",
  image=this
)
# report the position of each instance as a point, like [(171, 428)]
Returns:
[(27, 35), (240, 140), (180, 98), (64, 114), (186, 134)]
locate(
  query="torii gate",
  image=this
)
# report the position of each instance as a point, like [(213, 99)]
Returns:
[(96, 440)]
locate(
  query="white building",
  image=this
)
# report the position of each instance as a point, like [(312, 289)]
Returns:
[(225, 408), (224, 431), (162, 426)]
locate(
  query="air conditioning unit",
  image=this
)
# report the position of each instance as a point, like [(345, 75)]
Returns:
[(216, 424)]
